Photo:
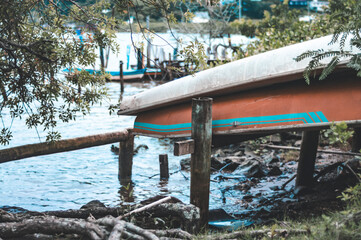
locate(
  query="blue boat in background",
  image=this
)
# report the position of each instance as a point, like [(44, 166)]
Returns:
[(129, 75)]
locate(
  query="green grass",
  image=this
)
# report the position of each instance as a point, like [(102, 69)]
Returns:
[(341, 225)]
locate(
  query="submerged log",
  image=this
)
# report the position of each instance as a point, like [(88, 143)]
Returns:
[(65, 145)]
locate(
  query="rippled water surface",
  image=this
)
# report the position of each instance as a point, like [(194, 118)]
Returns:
[(71, 179)]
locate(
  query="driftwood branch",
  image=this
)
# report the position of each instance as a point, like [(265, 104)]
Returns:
[(319, 150), (288, 181), (146, 207)]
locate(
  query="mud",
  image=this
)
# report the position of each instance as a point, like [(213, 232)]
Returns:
[(259, 176)]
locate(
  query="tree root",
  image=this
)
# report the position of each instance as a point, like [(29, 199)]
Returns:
[(108, 227), (51, 225)]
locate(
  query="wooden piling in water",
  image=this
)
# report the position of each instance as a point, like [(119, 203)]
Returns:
[(163, 166), (201, 158), (306, 162), (121, 77), (126, 159), (356, 140)]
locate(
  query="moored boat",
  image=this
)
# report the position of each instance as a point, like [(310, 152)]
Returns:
[(129, 75), (254, 95)]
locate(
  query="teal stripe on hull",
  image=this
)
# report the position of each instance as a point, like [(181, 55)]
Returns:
[(317, 117)]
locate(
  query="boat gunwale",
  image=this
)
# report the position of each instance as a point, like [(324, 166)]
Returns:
[(264, 81)]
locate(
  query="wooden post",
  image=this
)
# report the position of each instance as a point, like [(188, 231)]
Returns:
[(201, 158), (306, 162), (121, 77), (102, 64), (356, 140), (163, 166), (139, 59), (126, 160)]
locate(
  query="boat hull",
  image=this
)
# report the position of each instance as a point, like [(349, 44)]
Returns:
[(291, 105)]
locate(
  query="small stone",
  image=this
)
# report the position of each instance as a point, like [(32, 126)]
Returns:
[(298, 143), (219, 153), (185, 164), (248, 197), (216, 163), (93, 204), (275, 188), (238, 153), (274, 171), (276, 138)]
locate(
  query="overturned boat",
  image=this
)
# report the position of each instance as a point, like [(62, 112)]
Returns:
[(256, 95)]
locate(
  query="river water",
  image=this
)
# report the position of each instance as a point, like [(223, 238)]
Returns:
[(71, 179)]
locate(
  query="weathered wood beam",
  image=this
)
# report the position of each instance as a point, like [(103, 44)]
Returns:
[(163, 166), (126, 149), (306, 162), (38, 149), (183, 147), (318, 150), (201, 158), (286, 128)]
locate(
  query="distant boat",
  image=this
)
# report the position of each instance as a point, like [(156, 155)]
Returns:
[(260, 94), (129, 75)]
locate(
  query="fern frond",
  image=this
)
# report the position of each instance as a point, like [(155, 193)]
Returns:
[(355, 62), (321, 56), (306, 75), (356, 43), (330, 67), (334, 38), (343, 40), (308, 54), (312, 65)]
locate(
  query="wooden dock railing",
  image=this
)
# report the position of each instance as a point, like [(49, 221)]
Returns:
[(32, 150)]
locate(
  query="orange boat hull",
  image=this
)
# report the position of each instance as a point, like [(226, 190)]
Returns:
[(287, 105)]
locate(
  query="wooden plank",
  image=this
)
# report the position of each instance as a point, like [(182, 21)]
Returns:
[(201, 158), (184, 147), (163, 166), (306, 162), (65, 145), (318, 150), (286, 128), (126, 149)]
